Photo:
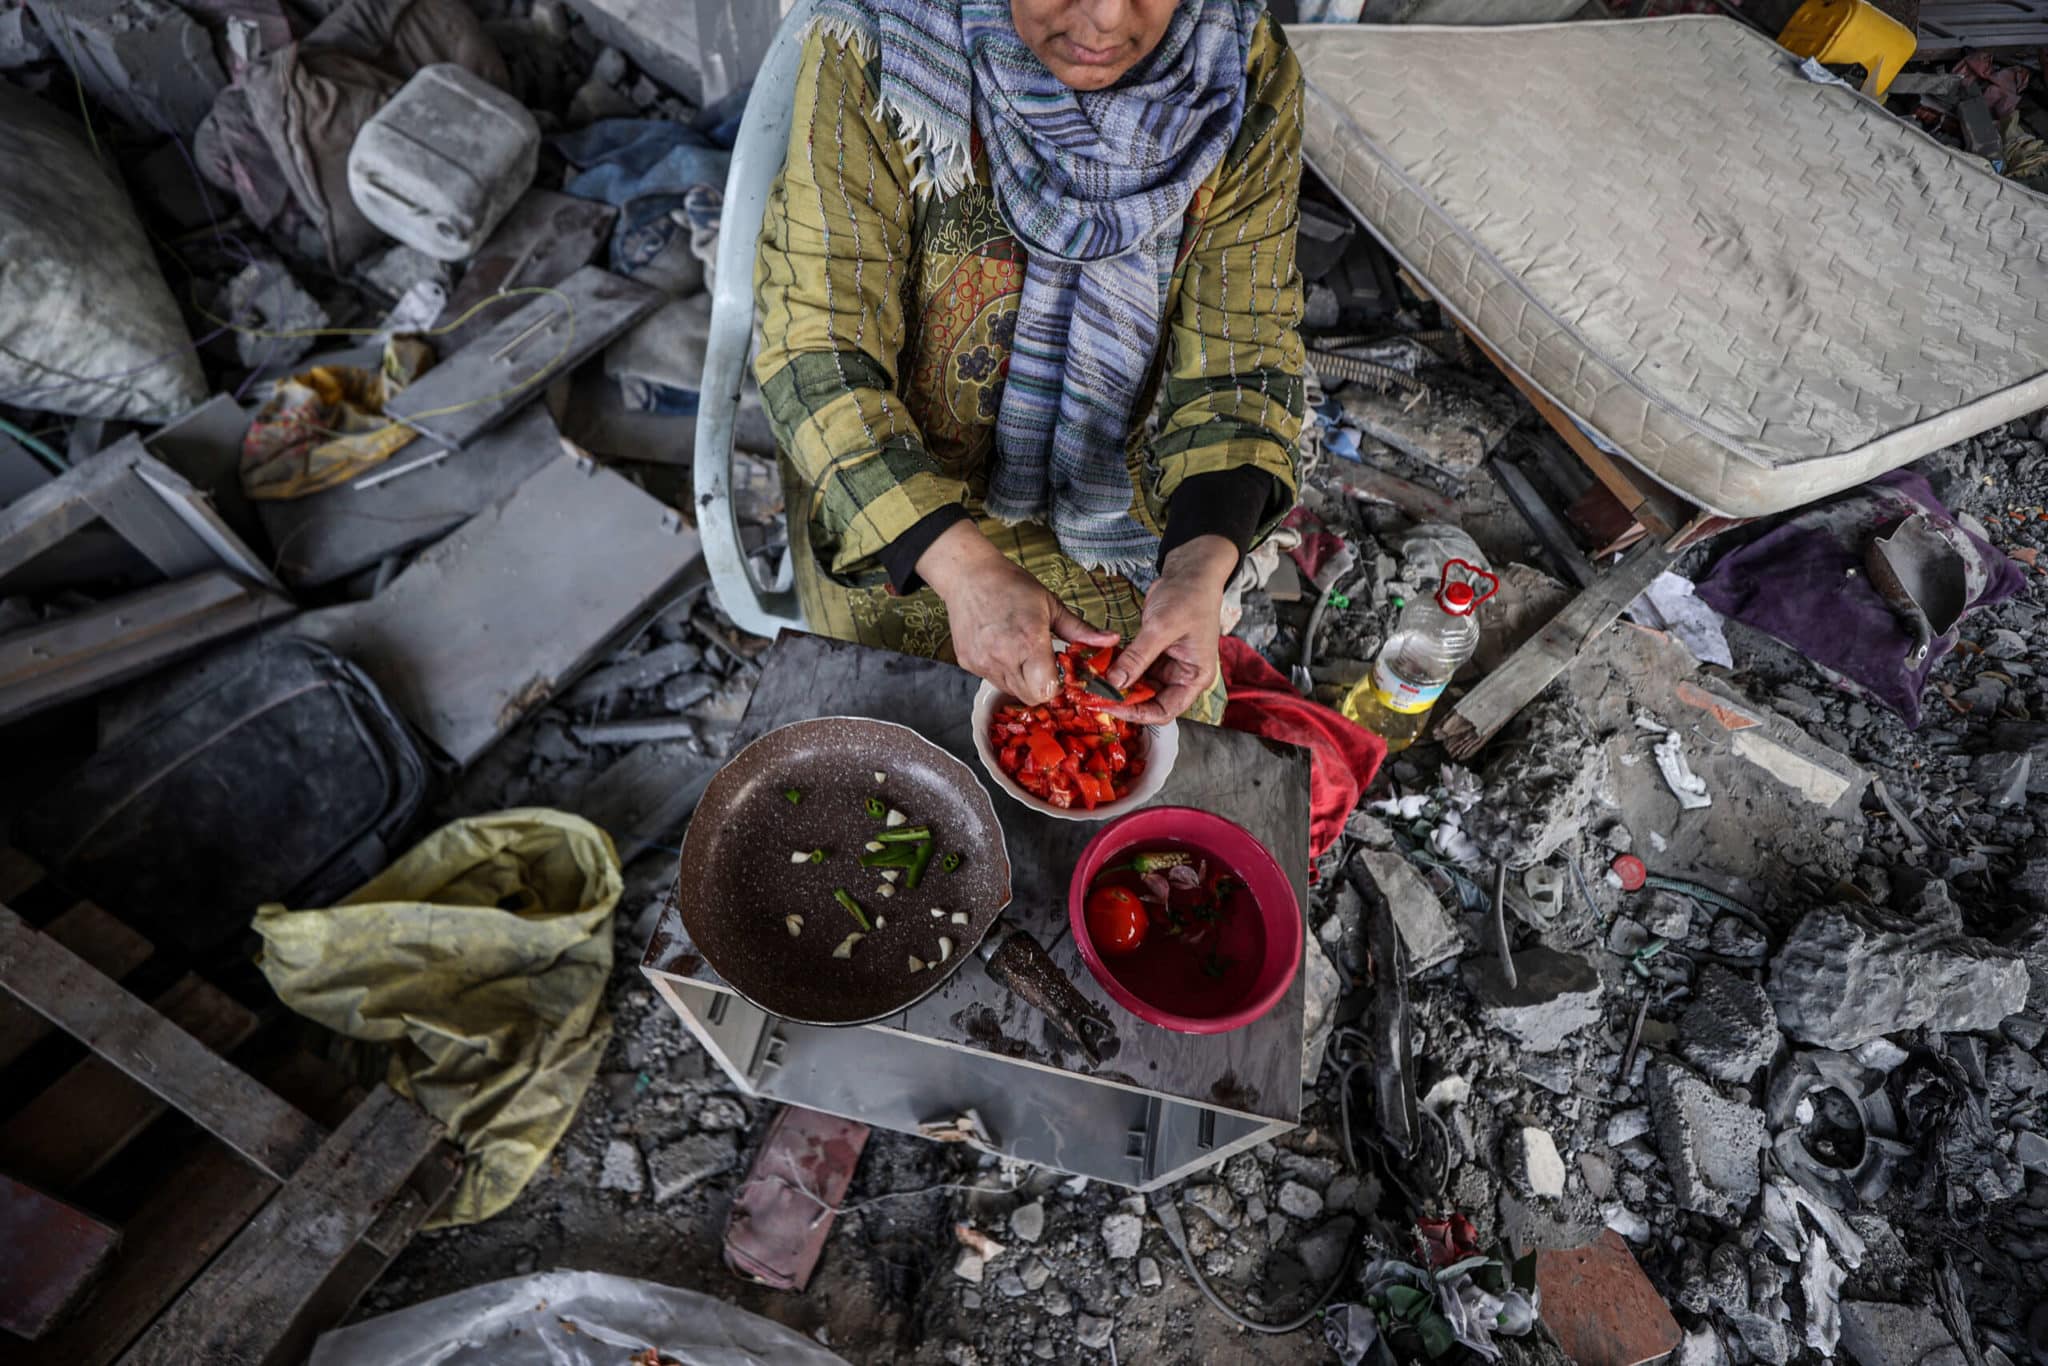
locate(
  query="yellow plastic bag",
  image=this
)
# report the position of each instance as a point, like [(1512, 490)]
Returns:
[(481, 958), (324, 426)]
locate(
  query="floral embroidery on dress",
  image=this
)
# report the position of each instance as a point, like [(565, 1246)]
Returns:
[(976, 365)]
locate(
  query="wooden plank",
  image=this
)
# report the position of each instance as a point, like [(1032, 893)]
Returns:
[(40, 519), (92, 1112), (507, 366), (145, 521), (334, 533), (1661, 511), (50, 1254), (126, 638), (1481, 713), (245, 1305), (205, 448), (496, 618), (151, 1050), (97, 938), (1421, 503)]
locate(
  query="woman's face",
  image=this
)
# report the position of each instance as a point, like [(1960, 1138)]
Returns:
[(1090, 44)]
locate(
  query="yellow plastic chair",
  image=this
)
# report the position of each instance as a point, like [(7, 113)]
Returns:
[(1851, 33)]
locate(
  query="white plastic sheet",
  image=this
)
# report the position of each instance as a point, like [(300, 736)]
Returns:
[(569, 1318)]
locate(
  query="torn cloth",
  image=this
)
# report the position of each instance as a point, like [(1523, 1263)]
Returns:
[(666, 179), (481, 958), (1343, 756), (326, 425), (1804, 582)]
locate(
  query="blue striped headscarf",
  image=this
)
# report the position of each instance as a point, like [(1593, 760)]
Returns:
[(1095, 185)]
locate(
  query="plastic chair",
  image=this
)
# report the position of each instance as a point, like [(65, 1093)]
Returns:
[(757, 159)]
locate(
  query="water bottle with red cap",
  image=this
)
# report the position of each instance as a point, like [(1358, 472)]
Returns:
[(1432, 640)]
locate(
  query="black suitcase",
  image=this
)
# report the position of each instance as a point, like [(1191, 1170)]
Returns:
[(278, 774)]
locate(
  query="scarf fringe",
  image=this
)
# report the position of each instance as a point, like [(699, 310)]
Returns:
[(936, 163)]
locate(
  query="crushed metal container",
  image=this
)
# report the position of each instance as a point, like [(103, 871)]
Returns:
[(443, 162)]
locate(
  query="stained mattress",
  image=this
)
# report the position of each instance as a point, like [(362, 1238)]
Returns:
[(1757, 286)]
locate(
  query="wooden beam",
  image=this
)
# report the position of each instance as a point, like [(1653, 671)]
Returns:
[(92, 1112), (249, 1305), (1480, 714), (127, 1034), (97, 938)]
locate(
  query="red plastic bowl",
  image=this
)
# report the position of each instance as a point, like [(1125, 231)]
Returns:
[(1272, 922)]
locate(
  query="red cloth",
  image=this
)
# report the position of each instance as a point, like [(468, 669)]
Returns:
[(1343, 755)]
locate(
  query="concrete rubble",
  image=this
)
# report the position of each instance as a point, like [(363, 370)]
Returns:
[(1753, 1055)]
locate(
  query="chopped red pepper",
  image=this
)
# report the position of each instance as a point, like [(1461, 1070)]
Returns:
[(1070, 752)]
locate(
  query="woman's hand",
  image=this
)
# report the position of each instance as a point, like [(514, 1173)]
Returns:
[(1176, 646), (1003, 620)]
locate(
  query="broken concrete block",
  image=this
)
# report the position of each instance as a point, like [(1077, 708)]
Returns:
[(1427, 931), (1839, 983), (1896, 1335), (266, 300), (1712, 1146), (622, 1168), (686, 1163), (1729, 1031), (147, 60), (1601, 1308), (702, 49), (1555, 995), (1121, 1234), (1534, 1165), (1028, 1221)]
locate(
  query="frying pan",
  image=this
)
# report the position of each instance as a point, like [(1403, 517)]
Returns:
[(738, 884)]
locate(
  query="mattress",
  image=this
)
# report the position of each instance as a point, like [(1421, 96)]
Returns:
[(1751, 281)]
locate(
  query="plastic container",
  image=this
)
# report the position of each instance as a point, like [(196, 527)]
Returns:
[(443, 162), (1431, 642)]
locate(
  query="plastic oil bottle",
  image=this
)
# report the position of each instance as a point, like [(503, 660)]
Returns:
[(1432, 640)]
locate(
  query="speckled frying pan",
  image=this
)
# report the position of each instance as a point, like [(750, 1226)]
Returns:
[(739, 884)]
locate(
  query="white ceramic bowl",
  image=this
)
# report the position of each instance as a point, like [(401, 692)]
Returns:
[(1156, 745)]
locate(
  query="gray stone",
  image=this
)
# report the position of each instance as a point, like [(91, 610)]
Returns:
[(2002, 779), (1011, 1286), (1121, 1234), (1839, 983), (1700, 1347), (970, 1299), (970, 1267), (1322, 1250), (1043, 1349), (1896, 1335), (1028, 1221), (1666, 914), (1057, 1303), (2014, 1075), (146, 60), (1255, 1210), (701, 49), (1555, 996), (1711, 1146), (1427, 931), (1533, 1163), (687, 1162), (1092, 1332), (1298, 1201), (2030, 1150), (1729, 1031), (1624, 1125), (1318, 1172), (1244, 1176), (1148, 1274), (1035, 1274), (2025, 1030), (1342, 1196), (623, 1170), (265, 298), (719, 1114), (1598, 1174), (1216, 1203)]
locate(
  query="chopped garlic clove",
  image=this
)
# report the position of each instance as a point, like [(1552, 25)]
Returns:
[(945, 948), (916, 963), (881, 777), (845, 949), (938, 912), (871, 847), (959, 917), (885, 891), (794, 924), (895, 818), (891, 874), (799, 856)]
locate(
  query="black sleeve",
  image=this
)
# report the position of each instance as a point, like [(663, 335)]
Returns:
[(1228, 503), (901, 558)]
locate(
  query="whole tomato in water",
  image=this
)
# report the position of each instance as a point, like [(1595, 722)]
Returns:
[(1116, 919)]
